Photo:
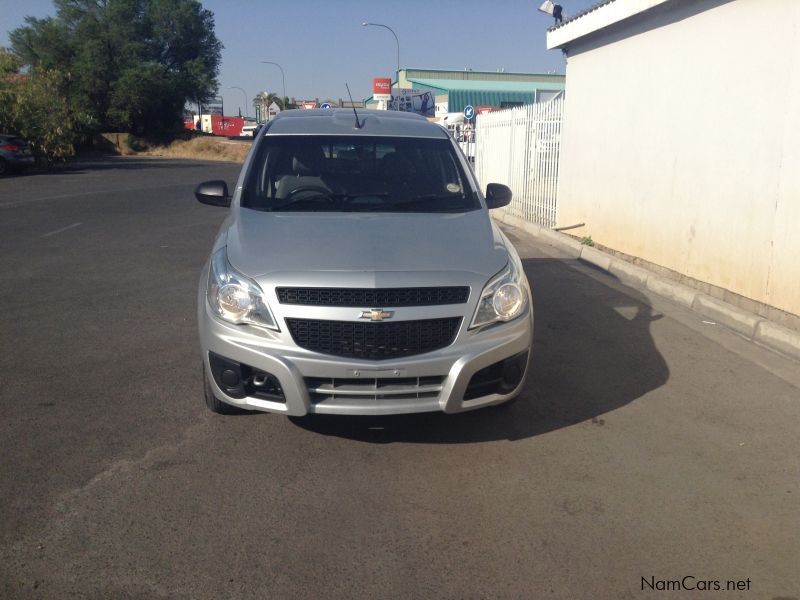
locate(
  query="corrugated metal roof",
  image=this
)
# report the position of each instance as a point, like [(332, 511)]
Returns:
[(581, 13), (480, 92), (484, 93), (480, 75), (458, 99), (486, 86)]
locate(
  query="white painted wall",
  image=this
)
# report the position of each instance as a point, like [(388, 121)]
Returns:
[(681, 143)]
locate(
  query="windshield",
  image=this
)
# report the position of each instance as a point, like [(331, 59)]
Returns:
[(357, 173)]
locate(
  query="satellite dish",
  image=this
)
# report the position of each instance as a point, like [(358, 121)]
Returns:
[(547, 7)]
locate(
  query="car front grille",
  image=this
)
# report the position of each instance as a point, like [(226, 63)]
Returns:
[(373, 341), (369, 389), (369, 297)]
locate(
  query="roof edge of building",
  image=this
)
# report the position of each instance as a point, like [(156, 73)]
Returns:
[(594, 18), (407, 69)]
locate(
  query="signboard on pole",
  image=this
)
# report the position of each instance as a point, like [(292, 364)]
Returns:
[(381, 88)]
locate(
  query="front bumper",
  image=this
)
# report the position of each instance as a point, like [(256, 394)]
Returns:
[(305, 377)]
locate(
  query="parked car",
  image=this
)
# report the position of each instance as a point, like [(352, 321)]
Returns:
[(359, 272), (15, 154), (248, 130)]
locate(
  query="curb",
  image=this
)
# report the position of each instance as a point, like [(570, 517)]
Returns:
[(750, 325)]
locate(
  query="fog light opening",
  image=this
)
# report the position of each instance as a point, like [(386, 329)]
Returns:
[(238, 380)]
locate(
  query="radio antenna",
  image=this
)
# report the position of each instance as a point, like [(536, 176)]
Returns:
[(353, 104)]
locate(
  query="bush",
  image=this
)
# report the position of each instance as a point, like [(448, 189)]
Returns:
[(137, 144), (33, 106)]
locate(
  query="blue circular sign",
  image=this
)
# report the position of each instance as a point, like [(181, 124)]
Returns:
[(325, 105), (469, 111)]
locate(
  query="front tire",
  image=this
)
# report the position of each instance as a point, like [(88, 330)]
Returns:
[(215, 405)]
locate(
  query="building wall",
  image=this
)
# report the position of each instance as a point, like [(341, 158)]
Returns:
[(691, 160)]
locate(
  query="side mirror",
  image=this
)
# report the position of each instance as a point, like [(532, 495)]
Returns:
[(497, 195), (214, 193)]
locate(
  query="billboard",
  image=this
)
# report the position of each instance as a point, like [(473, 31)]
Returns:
[(213, 106), (416, 101), (382, 88)]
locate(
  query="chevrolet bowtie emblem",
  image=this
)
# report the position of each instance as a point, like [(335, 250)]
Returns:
[(376, 314)]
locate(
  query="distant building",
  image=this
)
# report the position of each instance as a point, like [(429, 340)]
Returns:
[(451, 91), (681, 140)]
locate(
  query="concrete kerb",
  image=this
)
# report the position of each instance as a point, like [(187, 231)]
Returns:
[(754, 327), (726, 314)]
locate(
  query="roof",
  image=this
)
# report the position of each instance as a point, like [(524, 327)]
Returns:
[(595, 18), (470, 74), (486, 86), (484, 93), (341, 121), (450, 80)]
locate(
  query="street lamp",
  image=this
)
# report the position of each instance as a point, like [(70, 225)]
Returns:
[(366, 24), (233, 87), (283, 78)]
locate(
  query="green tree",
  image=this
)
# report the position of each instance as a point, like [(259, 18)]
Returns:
[(34, 106), (265, 99), (128, 65)]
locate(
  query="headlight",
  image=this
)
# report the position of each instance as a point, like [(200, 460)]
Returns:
[(235, 298), (504, 298)]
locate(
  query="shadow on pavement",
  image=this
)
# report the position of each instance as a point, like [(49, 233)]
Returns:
[(592, 353)]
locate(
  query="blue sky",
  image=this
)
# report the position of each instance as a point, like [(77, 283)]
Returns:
[(321, 43)]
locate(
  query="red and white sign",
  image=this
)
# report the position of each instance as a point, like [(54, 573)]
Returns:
[(308, 105), (479, 110), (227, 126), (381, 88)]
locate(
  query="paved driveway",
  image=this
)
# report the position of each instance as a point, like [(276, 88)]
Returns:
[(648, 447)]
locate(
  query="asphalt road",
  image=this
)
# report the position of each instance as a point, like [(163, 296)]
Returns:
[(649, 446)]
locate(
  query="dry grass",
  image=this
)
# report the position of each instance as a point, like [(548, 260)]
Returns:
[(203, 148)]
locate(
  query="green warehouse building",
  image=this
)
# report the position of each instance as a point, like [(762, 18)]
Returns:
[(451, 91)]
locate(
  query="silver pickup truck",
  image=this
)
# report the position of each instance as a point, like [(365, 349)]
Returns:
[(358, 272)]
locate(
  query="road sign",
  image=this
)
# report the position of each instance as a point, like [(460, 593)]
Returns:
[(469, 111), (325, 105)]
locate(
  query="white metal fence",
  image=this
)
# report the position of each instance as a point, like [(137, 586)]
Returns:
[(519, 147)]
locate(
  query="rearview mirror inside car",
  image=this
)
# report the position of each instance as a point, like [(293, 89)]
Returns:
[(497, 195), (214, 193)]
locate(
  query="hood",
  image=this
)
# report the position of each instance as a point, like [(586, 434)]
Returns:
[(263, 243)]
